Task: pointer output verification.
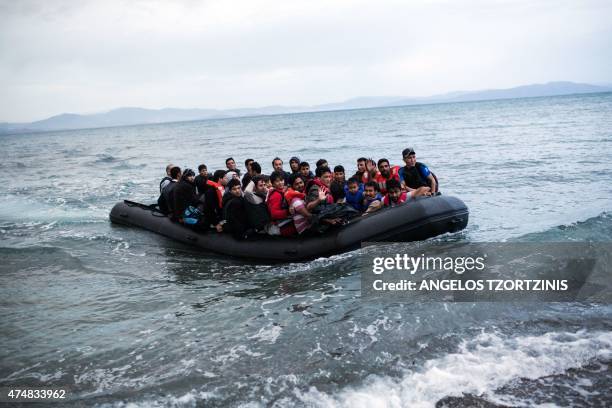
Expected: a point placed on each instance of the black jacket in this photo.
(200, 184)
(413, 177)
(235, 216)
(164, 202)
(183, 195)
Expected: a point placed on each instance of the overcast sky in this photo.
(91, 56)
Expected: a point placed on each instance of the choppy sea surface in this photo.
(124, 317)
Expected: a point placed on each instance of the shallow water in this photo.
(125, 316)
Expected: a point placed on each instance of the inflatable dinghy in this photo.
(416, 220)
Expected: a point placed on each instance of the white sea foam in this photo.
(371, 331)
(32, 209)
(479, 366)
(268, 334)
(188, 399)
(104, 379)
(234, 354)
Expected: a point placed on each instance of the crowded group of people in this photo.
(286, 203)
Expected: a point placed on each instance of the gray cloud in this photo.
(91, 56)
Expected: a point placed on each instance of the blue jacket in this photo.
(355, 200)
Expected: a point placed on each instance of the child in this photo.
(354, 194)
(372, 200)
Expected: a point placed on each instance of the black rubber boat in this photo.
(416, 220)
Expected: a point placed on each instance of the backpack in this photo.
(422, 181)
(419, 166)
(192, 215)
(162, 182)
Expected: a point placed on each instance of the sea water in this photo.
(125, 317)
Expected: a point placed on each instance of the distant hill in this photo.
(118, 117)
(138, 116)
(525, 91)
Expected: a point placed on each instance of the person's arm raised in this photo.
(371, 168)
(312, 204)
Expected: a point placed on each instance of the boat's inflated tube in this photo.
(416, 220)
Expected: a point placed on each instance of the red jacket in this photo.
(220, 190)
(277, 205)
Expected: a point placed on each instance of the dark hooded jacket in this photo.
(256, 208)
(183, 195)
(164, 202)
(235, 216)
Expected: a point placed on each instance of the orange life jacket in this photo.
(381, 181)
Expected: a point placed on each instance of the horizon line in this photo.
(306, 106)
(32, 131)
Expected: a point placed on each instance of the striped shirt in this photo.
(301, 223)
